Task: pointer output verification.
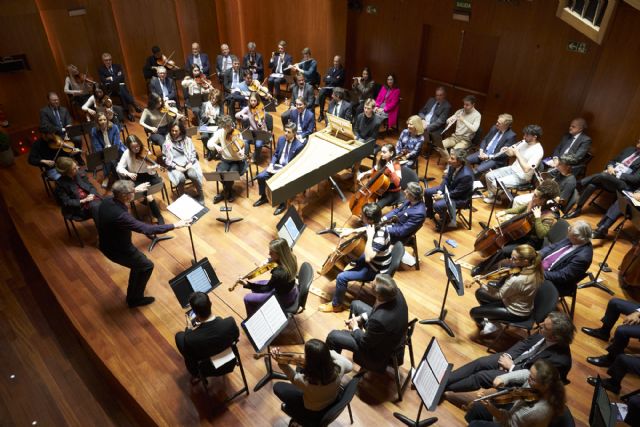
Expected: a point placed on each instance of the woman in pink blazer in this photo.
(388, 101)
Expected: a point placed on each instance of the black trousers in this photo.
(479, 416)
(623, 364)
(475, 375)
(623, 333)
(229, 166)
(141, 269)
(602, 180)
(291, 396)
(322, 96)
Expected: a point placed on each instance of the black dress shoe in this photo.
(320, 118)
(218, 198)
(574, 214)
(599, 234)
(596, 333)
(281, 207)
(142, 301)
(231, 197)
(261, 201)
(603, 361)
(606, 383)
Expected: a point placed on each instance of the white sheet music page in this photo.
(259, 329)
(185, 207)
(426, 384)
(273, 314)
(222, 358)
(437, 361)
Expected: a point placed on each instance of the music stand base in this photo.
(228, 221)
(440, 322)
(330, 230)
(413, 423)
(595, 282)
(155, 240)
(268, 377)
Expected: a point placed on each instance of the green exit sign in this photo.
(462, 10)
(580, 47)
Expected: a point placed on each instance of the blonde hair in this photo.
(286, 259)
(528, 253)
(416, 121)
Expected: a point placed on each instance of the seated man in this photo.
(56, 119)
(197, 58)
(236, 86)
(630, 328)
(374, 332)
(435, 112)
(576, 143)
(622, 173)
(459, 182)
(621, 366)
(612, 214)
(279, 65)
(112, 79)
(210, 336)
(367, 124)
(253, 62)
(75, 194)
(304, 119)
(375, 259)
(224, 61)
(563, 176)
(332, 80)
(527, 153)
(300, 89)
(286, 149)
(308, 67)
(164, 87)
(567, 261)
(44, 154)
(467, 121)
(551, 344)
(411, 215)
(338, 106)
(489, 155)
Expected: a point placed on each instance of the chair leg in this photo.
(573, 305)
(350, 414)
(298, 328)
(416, 254)
(396, 370)
(75, 231)
(67, 227)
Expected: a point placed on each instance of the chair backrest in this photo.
(558, 231)
(206, 368)
(305, 277)
(545, 301)
(268, 118)
(408, 175)
(564, 420)
(338, 406)
(396, 257)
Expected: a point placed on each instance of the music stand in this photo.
(261, 329)
(499, 187)
(270, 107)
(454, 277)
(450, 214)
(430, 380)
(291, 226)
(200, 277)
(185, 207)
(332, 225)
(222, 177)
(603, 412)
(153, 189)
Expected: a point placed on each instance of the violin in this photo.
(284, 358)
(261, 269)
(255, 86)
(57, 143)
(510, 395)
(143, 155)
(258, 115)
(165, 62)
(202, 81)
(495, 275)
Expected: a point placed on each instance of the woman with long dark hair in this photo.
(392, 169)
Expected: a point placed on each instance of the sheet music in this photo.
(208, 129)
(426, 383)
(437, 361)
(223, 358)
(258, 329)
(185, 207)
(199, 280)
(477, 185)
(273, 314)
(632, 199)
(291, 228)
(265, 322)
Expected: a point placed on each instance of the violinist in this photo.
(56, 119)
(544, 382)
(316, 387)
(106, 134)
(392, 170)
(255, 116)
(253, 62)
(197, 58)
(157, 118)
(210, 336)
(164, 86)
(282, 283)
(136, 165)
(112, 79)
(44, 153)
(99, 102)
(513, 299)
(279, 65)
(182, 160)
(196, 85)
(156, 60)
(228, 143)
(77, 85)
(75, 194)
(210, 113)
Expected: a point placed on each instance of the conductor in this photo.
(115, 225)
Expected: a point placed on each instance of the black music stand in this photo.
(499, 187)
(454, 277)
(450, 214)
(291, 226)
(185, 207)
(199, 277)
(222, 177)
(153, 189)
(332, 224)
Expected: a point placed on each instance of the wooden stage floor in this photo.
(136, 347)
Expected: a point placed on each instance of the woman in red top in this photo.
(392, 170)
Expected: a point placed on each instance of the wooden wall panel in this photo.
(197, 21)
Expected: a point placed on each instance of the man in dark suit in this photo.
(576, 143)
(622, 173)
(223, 61)
(435, 112)
(630, 328)
(112, 78)
(375, 332)
(459, 182)
(308, 67)
(489, 155)
(278, 65)
(236, 86)
(115, 225)
(411, 214)
(551, 344)
(210, 336)
(163, 86)
(253, 62)
(338, 106)
(332, 80)
(152, 62)
(286, 149)
(198, 58)
(55, 118)
(300, 89)
(566, 262)
(612, 214)
(304, 119)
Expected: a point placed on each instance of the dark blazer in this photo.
(154, 86)
(570, 268)
(633, 178)
(40, 151)
(307, 94)
(579, 149)
(308, 121)
(49, 121)
(508, 138)
(460, 186)
(345, 109)
(273, 62)
(410, 219)
(116, 73)
(227, 79)
(219, 60)
(440, 114)
(147, 70)
(559, 356)
(296, 147)
(258, 64)
(383, 332)
(204, 59)
(208, 339)
(67, 195)
(310, 72)
(97, 139)
(334, 77)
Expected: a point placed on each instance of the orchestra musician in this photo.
(99, 102)
(563, 175)
(223, 61)
(339, 106)
(106, 134)
(282, 283)
(303, 90)
(435, 112)
(304, 119)
(489, 156)
(255, 115)
(253, 62)
(228, 143)
(308, 67)
(392, 170)
(112, 79)
(210, 335)
(279, 65)
(367, 124)
(44, 153)
(512, 300)
(210, 113)
(136, 165)
(316, 387)
(467, 121)
(164, 86)
(411, 140)
(157, 118)
(197, 58)
(77, 85)
(334, 78)
(157, 59)
(411, 214)
(236, 85)
(56, 119)
(181, 160)
(375, 259)
(362, 90)
(388, 101)
(75, 194)
(194, 85)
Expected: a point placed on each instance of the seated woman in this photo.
(228, 143)
(74, 192)
(316, 387)
(157, 119)
(513, 300)
(411, 140)
(77, 86)
(282, 282)
(210, 113)
(196, 85)
(255, 116)
(544, 379)
(388, 102)
(362, 89)
(106, 134)
(135, 165)
(99, 102)
(392, 170)
(181, 160)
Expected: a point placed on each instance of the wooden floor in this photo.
(135, 350)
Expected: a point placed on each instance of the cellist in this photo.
(392, 170)
(228, 142)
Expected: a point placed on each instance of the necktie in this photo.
(284, 159)
(553, 257)
(164, 88)
(336, 109)
(632, 158)
(528, 355)
(55, 110)
(110, 70)
(573, 139)
(492, 145)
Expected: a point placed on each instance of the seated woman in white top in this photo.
(210, 113)
(99, 102)
(157, 118)
(316, 387)
(182, 160)
(77, 86)
(104, 135)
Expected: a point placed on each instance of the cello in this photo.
(375, 187)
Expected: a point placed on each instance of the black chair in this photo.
(47, 182)
(466, 221)
(397, 252)
(558, 231)
(570, 292)
(408, 175)
(544, 303)
(412, 242)
(69, 223)
(206, 369)
(248, 176)
(564, 420)
(305, 277)
(582, 168)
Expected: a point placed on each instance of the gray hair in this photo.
(121, 188)
(161, 70)
(251, 45)
(460, 154)
(562, 328)
(415, 190)
(385, 288)
(582, 230)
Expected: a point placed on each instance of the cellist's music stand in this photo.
(499, 187)
(222, 177)
(450, 214)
